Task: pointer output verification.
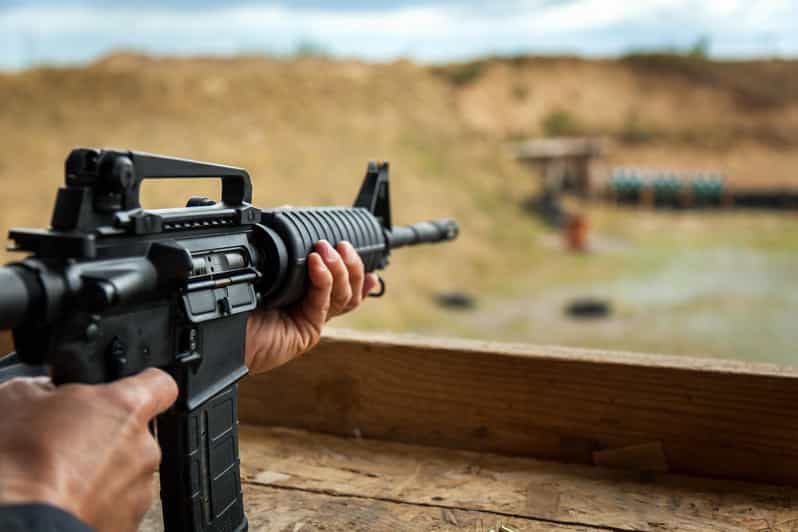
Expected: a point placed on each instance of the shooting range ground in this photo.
(679, 282)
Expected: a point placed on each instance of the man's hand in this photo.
(83, 448)
(337, 285)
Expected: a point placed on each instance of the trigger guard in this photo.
(382, 288)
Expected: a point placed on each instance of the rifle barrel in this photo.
(423, 232)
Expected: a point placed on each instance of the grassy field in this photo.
(716, 284)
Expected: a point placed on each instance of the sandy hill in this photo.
(305, 129)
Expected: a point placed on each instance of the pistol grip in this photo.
(200, 475)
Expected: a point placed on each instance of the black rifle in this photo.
(111, 289)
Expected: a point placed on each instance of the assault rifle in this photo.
(112, 288)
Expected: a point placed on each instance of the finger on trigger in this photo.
(356, 274)
(371, 282)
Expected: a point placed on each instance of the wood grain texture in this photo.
(279, 510)
(566, 494)
(710, 417)
(296, 480)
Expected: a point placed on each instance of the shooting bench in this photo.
(380, 432)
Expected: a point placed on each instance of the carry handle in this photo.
(236, 183)
(116, 176)
(200, 474)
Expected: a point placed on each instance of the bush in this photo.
(461, 74)
(754, 84)
(634, 132)
(307, 48)
(561, 123)
(700, 49)
(520, 92)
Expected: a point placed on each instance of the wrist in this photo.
(22, 488)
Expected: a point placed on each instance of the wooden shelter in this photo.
(390, 433)
(565, 163)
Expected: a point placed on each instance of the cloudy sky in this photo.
(69, 31)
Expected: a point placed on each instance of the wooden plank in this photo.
(295, 479)
(710, 417)
(299, 511)
(285, 510)
(565, 494)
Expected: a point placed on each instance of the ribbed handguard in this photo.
(301, 228)
(200, 479)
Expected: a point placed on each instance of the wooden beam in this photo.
(705, 417)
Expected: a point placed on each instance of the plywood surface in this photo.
(702, 417)
(297, 480)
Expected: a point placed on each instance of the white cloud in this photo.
(427, 32)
